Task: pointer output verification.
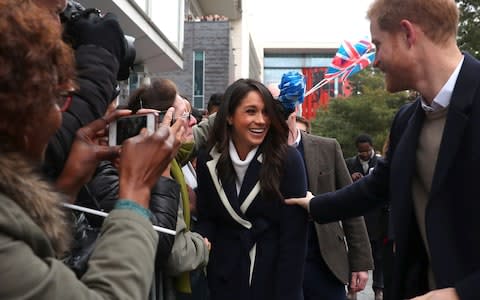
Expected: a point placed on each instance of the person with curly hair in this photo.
(36, 79)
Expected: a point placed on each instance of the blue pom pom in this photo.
(292, 90)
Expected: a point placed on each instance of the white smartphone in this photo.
(129, 126)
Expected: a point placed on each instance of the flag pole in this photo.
(317, 86)
(324, 81)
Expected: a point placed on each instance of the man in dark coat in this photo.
(366, 159)
(376, 220)
(338, 253)
(430, 173)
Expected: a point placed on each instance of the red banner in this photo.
(321, 97)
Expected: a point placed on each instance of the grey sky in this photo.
(308, 21)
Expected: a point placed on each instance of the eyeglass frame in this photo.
(64, 99)
(186, 115)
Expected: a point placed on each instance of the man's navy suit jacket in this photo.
(452, 219)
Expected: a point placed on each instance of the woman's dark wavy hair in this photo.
(36, 65)
(274, 146)
(159, 95)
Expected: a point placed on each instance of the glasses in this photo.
(186, 116)
(65, 99)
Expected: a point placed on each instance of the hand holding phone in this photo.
(160, 114)
(86, 152)
(129, 126)
(158, 148)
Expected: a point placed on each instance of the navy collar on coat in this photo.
(458, 116)
(237, 206)
(406, 151)
(457, 119)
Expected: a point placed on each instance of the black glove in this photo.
(91, 29)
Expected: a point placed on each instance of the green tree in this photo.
(469, 29)
(369, 110)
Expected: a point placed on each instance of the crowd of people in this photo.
(207, 18)
(251, 205)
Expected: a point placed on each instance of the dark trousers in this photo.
(388, 257)
(319, 283)
(377, 253)
(199, 286)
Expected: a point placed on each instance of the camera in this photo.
(129, 126)
(75, 11)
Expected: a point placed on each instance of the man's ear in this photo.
(409, 32)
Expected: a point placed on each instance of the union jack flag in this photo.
(360, 64)
(350, 59)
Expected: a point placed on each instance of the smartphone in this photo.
(129, 126)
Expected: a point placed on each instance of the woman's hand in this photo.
(358, 282)
(303, 202)
(207, 243)
(144, 157)
(169, 117)
(356, 176)
(88, 149)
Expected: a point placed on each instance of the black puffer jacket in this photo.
(102, 193)
(96, 78)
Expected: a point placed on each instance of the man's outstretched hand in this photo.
(303, 202)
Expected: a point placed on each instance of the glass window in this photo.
(142, 4)
(168, 16)
(198, 78)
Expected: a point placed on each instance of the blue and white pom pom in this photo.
(292, 90)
